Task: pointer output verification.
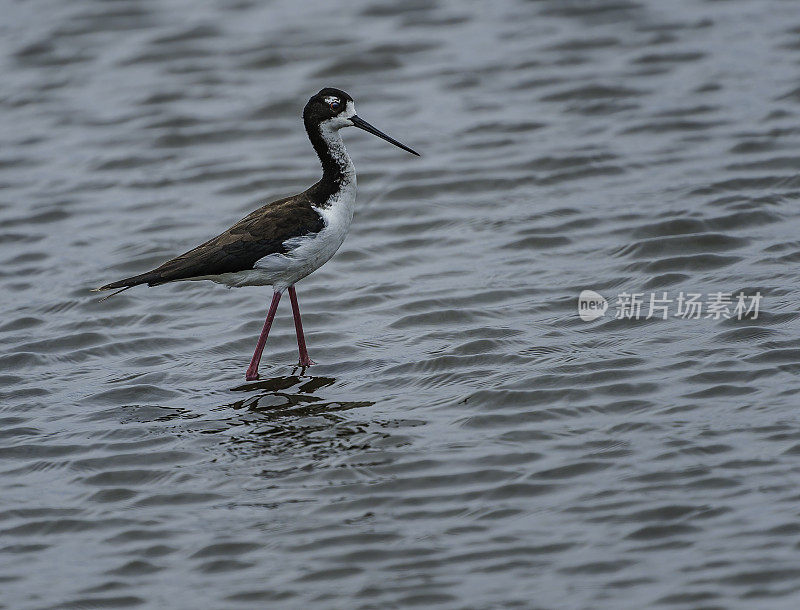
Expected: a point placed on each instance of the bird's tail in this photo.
(108, 296)
(123, 285)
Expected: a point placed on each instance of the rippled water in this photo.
(467, 441)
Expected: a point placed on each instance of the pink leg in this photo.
(298, 327)
(252, 370)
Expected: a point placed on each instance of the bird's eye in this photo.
(335, 106)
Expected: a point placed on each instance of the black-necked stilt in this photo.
(283, 241)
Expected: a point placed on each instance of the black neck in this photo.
(334, 166)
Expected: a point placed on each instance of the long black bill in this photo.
(362, 124)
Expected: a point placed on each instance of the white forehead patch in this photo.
(349, 110)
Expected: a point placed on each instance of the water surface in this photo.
(467, 441)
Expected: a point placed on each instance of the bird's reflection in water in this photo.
(291, 395)
(290, 411)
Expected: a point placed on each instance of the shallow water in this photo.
(467, 441)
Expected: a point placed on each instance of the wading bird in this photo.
(283, 241)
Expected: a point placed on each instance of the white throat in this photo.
(333, 140)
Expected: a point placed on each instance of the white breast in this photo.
(308, 253)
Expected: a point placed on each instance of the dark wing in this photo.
(257, 235)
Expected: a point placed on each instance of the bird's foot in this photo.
(251, 375)
(304, 362)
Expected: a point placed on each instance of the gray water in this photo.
(466, 440)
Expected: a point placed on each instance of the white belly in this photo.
(307, 253)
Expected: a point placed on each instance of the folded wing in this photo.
(259, 234)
